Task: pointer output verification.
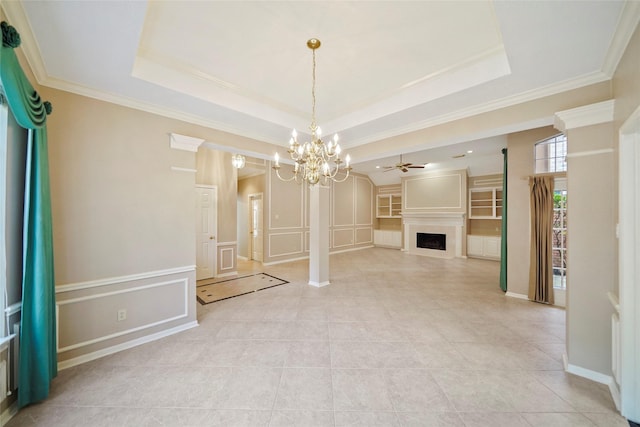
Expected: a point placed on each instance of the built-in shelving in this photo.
(485, 203)
(389, 206)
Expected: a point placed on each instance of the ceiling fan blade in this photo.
(404, 169)
(416, 166)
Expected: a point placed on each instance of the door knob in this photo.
(212, 237)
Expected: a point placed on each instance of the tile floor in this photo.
(395, 340)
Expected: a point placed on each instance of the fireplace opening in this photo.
(432, 241)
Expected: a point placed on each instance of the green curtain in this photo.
(38, 358)
(503, 239)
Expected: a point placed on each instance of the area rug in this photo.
(224, 289)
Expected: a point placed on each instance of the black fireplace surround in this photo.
(431, 241)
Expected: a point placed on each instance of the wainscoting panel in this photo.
(342, 238)
(286, 243)
(364, 235)
(95, 316)
(226, 257)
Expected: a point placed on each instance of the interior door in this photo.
(206, 231)
(256, 227)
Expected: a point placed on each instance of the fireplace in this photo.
(431, 241)
(433, 234)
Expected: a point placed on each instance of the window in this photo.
(13, 154)
(551, 154)
(559, 235)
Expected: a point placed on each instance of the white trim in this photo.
(515, 295)
(589, 374)
(300, 233)
(284, 261)
(222, 267)
(425, 177)
(184, 142)
(629, 18)
(600, 112)
(124, 346)
(13, 309)
(590, 153)
(530, 95)
(629, 272)
(233, 273)
(179, 169)
(350, 250)
(9, 413)
(319, 284)
(227, 243)
(184, 281)
(613, 299)
(4, 342)
(353, 237)
(70, 287)
(615, 394)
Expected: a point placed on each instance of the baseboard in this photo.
(615, 393)
(589, 374)
(594, 376)
(359, 248)
(232, 273)
(124, 346)
(514, 295)
(9, 413)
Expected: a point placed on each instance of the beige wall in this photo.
(520, 161)
(591, 254)
(286, 207)
(214, 168)
(441, 191)
(123, 225)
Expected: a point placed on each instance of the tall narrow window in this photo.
(559, 235)
(551, 154)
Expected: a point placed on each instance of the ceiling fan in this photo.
(403, 166)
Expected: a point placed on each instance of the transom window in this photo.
(551, 155)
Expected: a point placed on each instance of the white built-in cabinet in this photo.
(483, 246)
(387, 238)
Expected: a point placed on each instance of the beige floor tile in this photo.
(302, 418)
(396, 339)
(360, 390)
(366, 419)
(305, 389)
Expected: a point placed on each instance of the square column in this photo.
(319, 235)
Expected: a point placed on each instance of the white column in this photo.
(319, 236)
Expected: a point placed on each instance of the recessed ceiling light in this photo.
(469, 151)
(377, 167)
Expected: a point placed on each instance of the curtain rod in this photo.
(554, 174)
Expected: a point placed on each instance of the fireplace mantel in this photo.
(449, 223)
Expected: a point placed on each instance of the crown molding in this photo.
(509, 101)
(627, 24)
(17, 18)
(601, 112)
(185, 143)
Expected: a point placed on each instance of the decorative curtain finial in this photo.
(10, 37)
(48, 107)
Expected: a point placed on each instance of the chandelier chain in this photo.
(312, 159)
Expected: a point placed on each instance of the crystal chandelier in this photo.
(312, 159)
(238, 161)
